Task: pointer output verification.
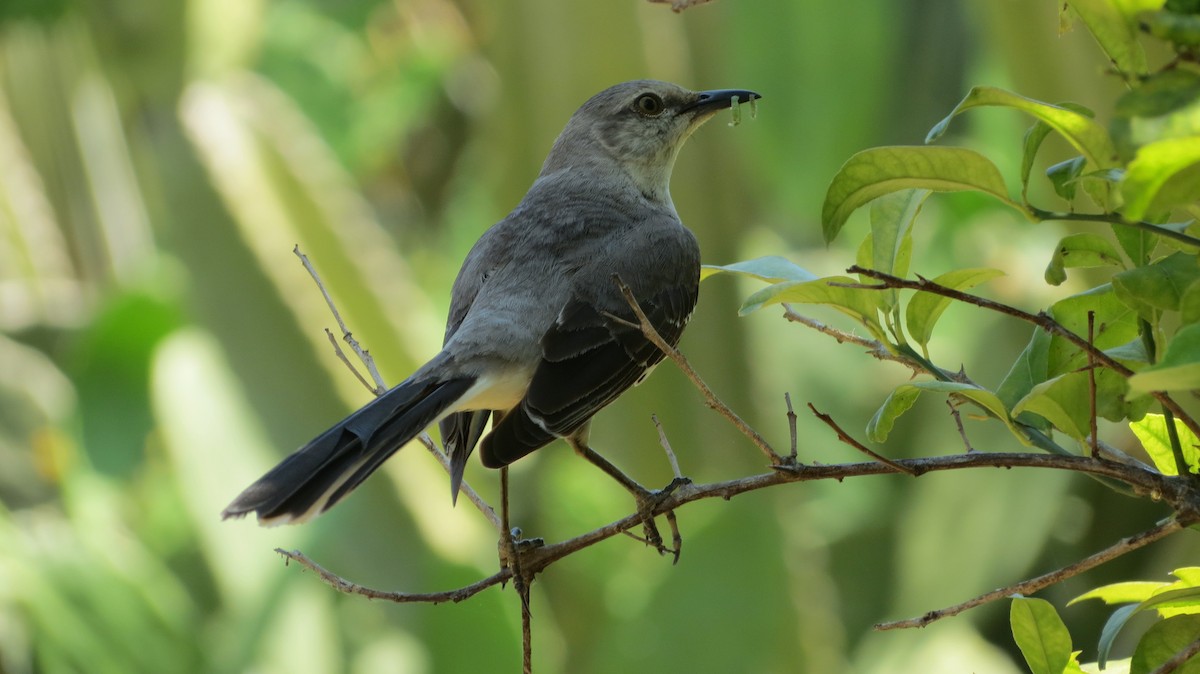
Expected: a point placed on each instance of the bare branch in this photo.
(962, 432)
(362, 354)
(1121, 547)
(791, 417)
(342, 585)
(666, 445)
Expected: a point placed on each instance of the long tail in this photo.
(319, 474)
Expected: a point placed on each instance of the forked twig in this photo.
(849, 440)
(342, 585)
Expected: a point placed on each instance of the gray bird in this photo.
(531, 339)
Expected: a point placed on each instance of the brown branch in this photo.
(1027, 587)
(849, 440)
(878, 350)
(342, 585)
(1091, 338)
(1042, 320)
(793, 451)
(1170, 489)
(1179, 659)
(962, 432)
(710, 398)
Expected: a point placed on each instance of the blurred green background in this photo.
(160, 346)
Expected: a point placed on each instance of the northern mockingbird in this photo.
(531, 339)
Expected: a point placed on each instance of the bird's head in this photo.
(637, 128)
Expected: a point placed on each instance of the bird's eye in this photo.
(649, 105)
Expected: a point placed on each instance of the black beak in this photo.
(718, 99)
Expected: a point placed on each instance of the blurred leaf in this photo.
(890, 241)
(1182, 30)
(904, 396)
(1115, 32)
(1179, 367)
(771, 268)
(1064, 176)
(1040, 634)
(1032, 142)
(1137, 243)
(1165, 106)
(1154, 166)
(1151, 431)
(1160, 285)
(1080, 250)
(859, 303)
(1162, 641)
(873, 173)
(1189, 303)
(924, 309)
(1080, 130)
(1133, 351)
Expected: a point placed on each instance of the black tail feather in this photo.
(322, 472)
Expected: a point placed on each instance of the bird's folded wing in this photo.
(589, 358)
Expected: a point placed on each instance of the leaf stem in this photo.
(1115, 219)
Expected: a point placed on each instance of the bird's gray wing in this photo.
(589, 357)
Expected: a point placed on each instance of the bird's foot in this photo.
(647, 503)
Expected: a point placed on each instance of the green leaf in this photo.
(1041, 635)
(1080, 250)
(1151, 431)
(1064, 176)
(1112, 627)
(1121, 593)
(1115, 324)
(1182, 30)
(924, 309)
(1165, 106)
(878, 171)
(1138, 244)
(1064, 401)
(1080, 130)
(1154, 165)
(1179, 369)
(1029, 369)
(1114, 31)
(1189, 304)
(904, 396)
(771, 268)
(859, 303)
(1033, 142)
(892, 217)
(1157, 286)
(1162, 641)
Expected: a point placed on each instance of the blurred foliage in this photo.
(160, 346)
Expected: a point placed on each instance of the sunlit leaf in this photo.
(1151, 431)
(873, 173)
(1032, 142)
(1080, 130)
(1114, 324)
(1080, 250)
(1121, 593)
(924, 309)
(1040, 634)
(771, 268)
(1164, 106)
(1179, 367)
(1114, 31)
(1154, 165)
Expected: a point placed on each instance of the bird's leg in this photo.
(646, 499)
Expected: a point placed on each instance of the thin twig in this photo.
(962, 432)
(849, 440)
(363, 354)
(337, 351)
(464, 489)
(342, 585)
(792, 435)
(666, 445)
(876, 349)
(1027, 587)
(1116, 219)
(1042, 319)
(1095, 436)
(710, 398)
(1179, 659)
